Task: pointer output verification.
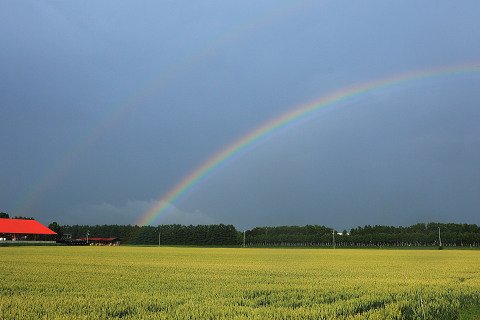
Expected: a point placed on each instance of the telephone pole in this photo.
(244, 238)
(159, 237)
(333, 235)
(439, 238)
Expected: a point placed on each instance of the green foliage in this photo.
(289, 234)
(23, 218)
(421, 234)
(54, 226)
(378, 236)
(7, 216)
(169, 234)
(309, 235)
(470, 312)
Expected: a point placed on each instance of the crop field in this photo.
(235, 283)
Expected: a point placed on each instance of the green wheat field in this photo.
(237, 283)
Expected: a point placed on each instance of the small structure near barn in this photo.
(23, 230)
(102, 241)
(113, 241)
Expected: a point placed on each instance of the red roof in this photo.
(21, 226)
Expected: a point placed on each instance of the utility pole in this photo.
(333, 234)
(88, 233)
(266, 235)
(439, 238)
(159, 237)
(244, 238)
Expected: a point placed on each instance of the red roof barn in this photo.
(15, 227)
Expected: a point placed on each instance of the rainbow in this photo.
(294, 115)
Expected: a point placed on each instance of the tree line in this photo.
(421, 234)
(5, 215)
(175, 234)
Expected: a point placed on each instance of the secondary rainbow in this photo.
(130, 103)
(295, 114)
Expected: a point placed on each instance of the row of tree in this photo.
(422, 234)
(5, 215)
(175, 234)
(425, 234)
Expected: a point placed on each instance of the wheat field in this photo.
(236, 283)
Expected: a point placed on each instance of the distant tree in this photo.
(175, 234)
(24, 218)
(54, 226)
(4, 215)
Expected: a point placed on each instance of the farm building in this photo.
(22, 229)
(102, 241)
(94, 241)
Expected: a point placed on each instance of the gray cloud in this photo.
(130, 213)
(107, 101)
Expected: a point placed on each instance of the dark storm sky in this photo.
(106, 105)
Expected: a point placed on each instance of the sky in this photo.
(105, 106)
